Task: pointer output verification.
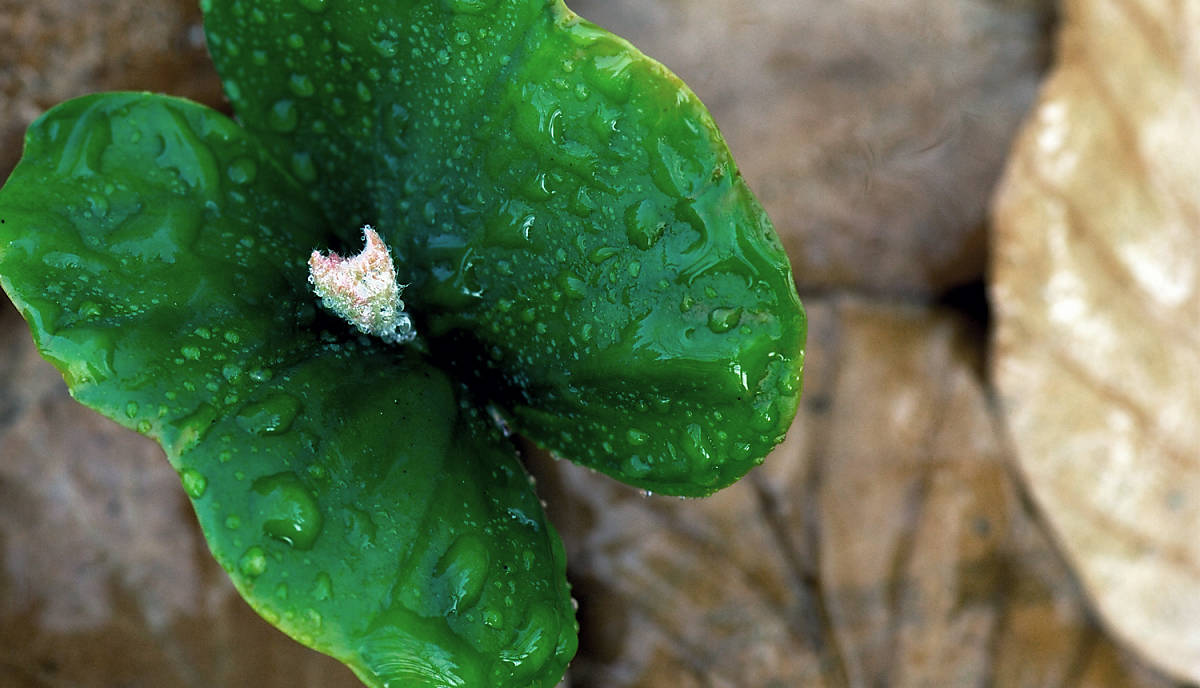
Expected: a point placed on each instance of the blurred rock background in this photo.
(921, 525)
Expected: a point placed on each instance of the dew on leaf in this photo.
(271, 416)
(644, 226)
(289, 509)
(283, 116)
(322, 587)
(301, 85)
(194, 483)
(303, 167)
(468, 6)
(721, 320)
(463, 569)
(253, 562)
(313, 618)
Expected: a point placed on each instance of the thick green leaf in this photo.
(578, 238)
(157, 252)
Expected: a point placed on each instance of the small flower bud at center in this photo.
(363, 290)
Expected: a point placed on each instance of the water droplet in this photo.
(281, 591)
(261, 374)
(467, 6)
(463, 570)
(644, 224)
(636, 437)
(765, 418)
(360, 528)
(323, 587)
(572, 285)
(131, 409)
(314, 6)
(283, 116)
(364, 93)
(536, 639)
(788, 385)
(253, 562)
(242, 171)
(271, 416)
(194, 483)
(233, 522)
(231, 371)
(537, 188)
(493, 618)
(602, 254)
(303, 167)
(673, 172)
(722, 320)
(295, 41)
(636, 466)
(610, 74)
(385, 45)
(290, 510)
(301, 85)
(313, 618)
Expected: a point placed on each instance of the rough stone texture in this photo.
(1095, 284)
(872, 130)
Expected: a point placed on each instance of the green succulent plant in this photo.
(580, 260)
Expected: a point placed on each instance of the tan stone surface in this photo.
(1095, 284)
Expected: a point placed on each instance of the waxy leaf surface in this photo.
(357, 503)
(580, 245)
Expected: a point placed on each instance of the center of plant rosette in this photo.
(590, 267)
(363, 290)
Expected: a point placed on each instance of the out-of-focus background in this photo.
(992, 209)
